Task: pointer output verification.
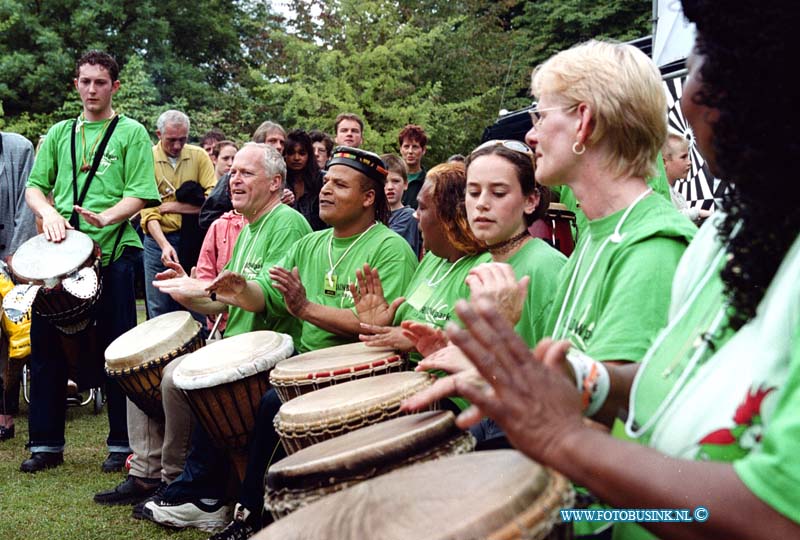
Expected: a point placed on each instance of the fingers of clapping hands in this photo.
(449, 359)
(489, 341)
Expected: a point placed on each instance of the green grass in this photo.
(57, 504)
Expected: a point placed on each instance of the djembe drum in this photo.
(333, 465)
(324, 367)
(61, 281)
(224, 382)
(336, 410)
(496, 495)
(136, 359)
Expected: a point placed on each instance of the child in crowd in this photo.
(402, 220)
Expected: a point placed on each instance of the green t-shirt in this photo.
(379, 247)
(566, 196)
(747, 384)
(259, 247)
(613, 296)
(126, 170)
(543, 264)
(434, 289)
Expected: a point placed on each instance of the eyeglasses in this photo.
(536, 117)
(511, 144)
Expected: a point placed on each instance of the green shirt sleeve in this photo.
(772, 473)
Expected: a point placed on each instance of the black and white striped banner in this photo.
(700, 188)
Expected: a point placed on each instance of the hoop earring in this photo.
(575, 148)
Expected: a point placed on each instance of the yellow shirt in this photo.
(192, 165)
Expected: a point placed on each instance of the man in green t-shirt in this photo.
(115, 180)
(258, 174)
(311, 283)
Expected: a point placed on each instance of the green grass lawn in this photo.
(57, 504)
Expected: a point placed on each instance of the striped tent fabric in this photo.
(700, 188)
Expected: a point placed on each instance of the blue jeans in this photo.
(115, 315)
(158, 302)
(207, 470)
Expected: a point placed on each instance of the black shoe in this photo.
(6, 433)
(236, 530)
(244, 525)
(131, 491)
(40, 461)
(138, 509)
(115, 462)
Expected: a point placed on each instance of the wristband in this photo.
(213, 296)
(591, 379)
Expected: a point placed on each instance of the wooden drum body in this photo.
(336, 410)
(499, 495)
(558, 228)
(136, 359)
(224, 382)
(325, 367)
(333, 465)
(62, 282)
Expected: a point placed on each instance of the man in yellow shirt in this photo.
(185, 176)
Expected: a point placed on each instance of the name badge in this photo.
(329, 284)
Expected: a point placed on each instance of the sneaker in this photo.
(209, 515)
(138, 509)
(115, 462)
(243, 526)
(40, 461)
(131, 491)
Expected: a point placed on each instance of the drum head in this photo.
(232, 359)
(151, 340)
(362, 451)
(360, 395)
(467, 496)
(327, 362)
(39, 260)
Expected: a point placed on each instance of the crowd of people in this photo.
(655, 366)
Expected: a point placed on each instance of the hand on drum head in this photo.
(524, 392)
(371, 305)
(498, 283)
(54, 226)
(289, 285)
(92, 218)
(427, 339)
(385, 336)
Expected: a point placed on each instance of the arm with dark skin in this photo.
(550, 429)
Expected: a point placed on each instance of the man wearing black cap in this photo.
(310, 283)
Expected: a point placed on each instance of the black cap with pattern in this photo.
(364, 162)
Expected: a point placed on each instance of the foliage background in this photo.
(231, 64)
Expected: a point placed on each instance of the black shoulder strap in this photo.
(98, 156)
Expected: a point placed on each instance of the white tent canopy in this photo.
(674, 35)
